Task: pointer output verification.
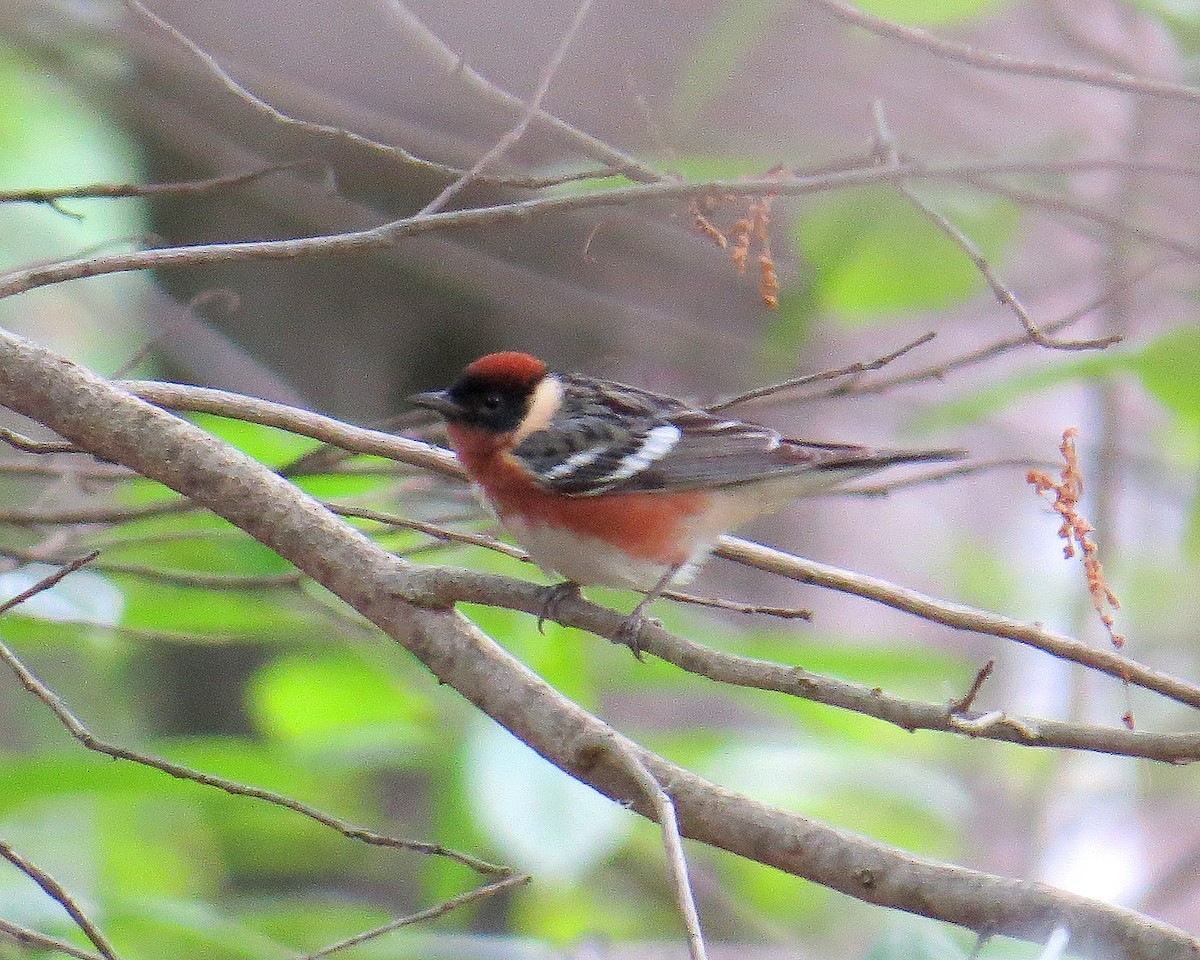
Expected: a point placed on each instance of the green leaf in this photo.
(265, 444)
(335, 699)
(977, 404)
(874, 254)
(1169, 369)
(707, 168)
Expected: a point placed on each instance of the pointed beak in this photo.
(439, 401)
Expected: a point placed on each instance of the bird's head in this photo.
(502, 393)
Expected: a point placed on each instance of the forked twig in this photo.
(677, 870)
(888, 153)
(505, 143)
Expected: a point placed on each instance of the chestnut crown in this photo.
(493, 393)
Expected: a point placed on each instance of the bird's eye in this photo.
(492, 401)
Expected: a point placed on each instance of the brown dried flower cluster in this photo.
(749, 231)
(1076, 530)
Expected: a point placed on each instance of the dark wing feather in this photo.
(658, 444)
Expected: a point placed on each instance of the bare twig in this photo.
(983, 354)
(83, 516)
(852, 370)
(754, 609)
(963, 704)
(29, 445)
(182, 397)
(267, 110)
(664, 813)
(58, 893)
(342, 244)
(49, 581)
(617, 161)
(989, 60)
(431, 913)
(959, 616)
(806, 571)
(939, 475)
(1062, 204)
(789, 680)
(532, 109)
(888, 153)
(94, 191)
(192, 579)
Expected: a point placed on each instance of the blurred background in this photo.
(280, 688)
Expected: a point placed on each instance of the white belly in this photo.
(592, 561)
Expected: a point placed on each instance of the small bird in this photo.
(608, 484)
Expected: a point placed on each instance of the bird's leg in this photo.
(555, 595)
(629, 633)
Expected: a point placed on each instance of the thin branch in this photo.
(183, 397)
(752, 609)
(532, 109)
(99, 191)
(615, 160)
(265, 109)
(191, 579)
(888, 153)
(677, 869)
(28, 445)
(91, 473)
(85, 516)
(983, 354)
(49, 581)
(796, 681)
(964, 703)
(939, 475)
(343, 244)
(431, 913)
(58, 893)
(955, 615)
(1004, 294)
(1004, 63)
(959, 616)
(430, 530)
(1060, 204)
(852, 370)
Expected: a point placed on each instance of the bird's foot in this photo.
(554, 597)
(629, 632)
